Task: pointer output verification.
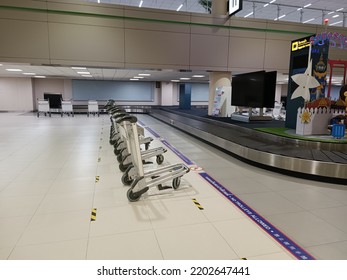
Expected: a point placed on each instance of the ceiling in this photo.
(279, 7)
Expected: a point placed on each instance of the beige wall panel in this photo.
(156, 48)
(159, 15)
(86, 43)
(248, 23)
(209, 26)
(277, 55)
(246, 53)
(209, 51)
(16, 94)
(235, 32)
(86, 20)
(23, 15)
(289, 31)
(160, 22)
(23, 39)
(37, 4)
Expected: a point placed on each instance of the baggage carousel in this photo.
(315, 160)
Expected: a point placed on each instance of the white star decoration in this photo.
(305, 82)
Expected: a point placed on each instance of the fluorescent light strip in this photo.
(335, 16)
(141, 2)
(309, 20)
(88, 76)
(143, 74)
(40, 77)
(338, 22)
(32, 74)
(248, 15)
(179, 8)
(272, 1)
(83, 73)
(132, 79)
(175, 81)
(339, 9)
(299, 9)
(14, 70)
(331, 13)
(282, 16)
(139, 77)
(308, 5)
(267, 4)
(78, 68)
(185, 79)
(198, 76)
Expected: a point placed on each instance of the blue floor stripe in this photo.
(280, 237)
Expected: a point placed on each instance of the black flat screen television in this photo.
(255, 89)
(54, 100)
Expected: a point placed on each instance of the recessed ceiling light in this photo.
(40, 77)
(84, 73)
(14, 70)
(32, 74)
(132, 79)
(175, 81)
(144, 74)
(185, 79)
(78, 68)
(198, 76)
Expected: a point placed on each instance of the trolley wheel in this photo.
(38, 114)
(50, 114)
(160, 159)
(61, 114)
(146, 146)
(123, 167)
(116, 151)
(126, 180)
(176, 182)
(119, 157)
(132, 197)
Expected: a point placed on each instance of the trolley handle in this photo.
(128, 118)
(119, 115)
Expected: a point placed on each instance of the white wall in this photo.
(16, 94)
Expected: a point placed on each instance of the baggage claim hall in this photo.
(157, 133)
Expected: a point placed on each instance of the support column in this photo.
(185, 96)
(219, 80)
(219, 7)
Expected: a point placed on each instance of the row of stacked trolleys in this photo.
(133, 151)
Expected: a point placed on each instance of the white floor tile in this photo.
(66, 250)
(5, 253)
(11, 230)
(56, 227)
(140, 245)
(246, 239)
(194, 242)
(15, 206)
(120, 219)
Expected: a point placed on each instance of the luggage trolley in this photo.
(66, 108)
(152, 178)
(93, 108)
(124, 157)
(116, 139)
(43, 107)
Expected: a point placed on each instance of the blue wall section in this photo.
(119, 91)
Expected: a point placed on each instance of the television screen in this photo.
(255, 89)
(54, 100)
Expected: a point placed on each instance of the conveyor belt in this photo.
(318, 159)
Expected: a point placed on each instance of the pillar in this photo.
(219, 7)
(185, 96)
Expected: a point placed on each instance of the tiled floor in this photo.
(48, 187)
